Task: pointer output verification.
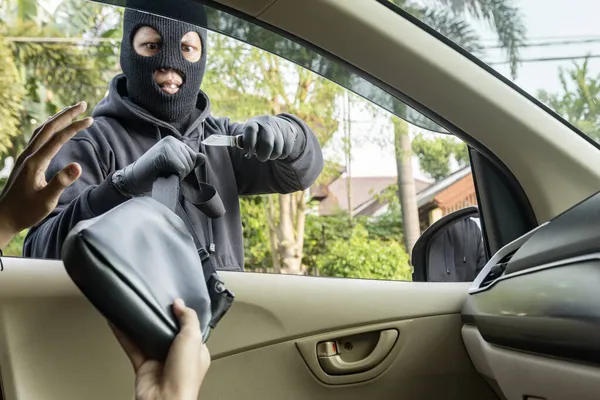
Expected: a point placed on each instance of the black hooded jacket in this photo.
(122, 132)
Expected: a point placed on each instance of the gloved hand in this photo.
(269, 138)
(167, 157)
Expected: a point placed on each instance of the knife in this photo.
(224, 140)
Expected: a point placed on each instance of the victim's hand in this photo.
(182, 373)
(27, 198)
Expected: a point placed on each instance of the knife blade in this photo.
(224, 140)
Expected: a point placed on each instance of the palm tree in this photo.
(502, 16)
(446, 16)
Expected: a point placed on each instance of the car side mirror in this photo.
(451, 249)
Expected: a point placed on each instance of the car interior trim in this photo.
(550, 310)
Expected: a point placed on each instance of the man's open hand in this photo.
(27, 198)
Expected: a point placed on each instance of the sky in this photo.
(546, 21)
(556, 19)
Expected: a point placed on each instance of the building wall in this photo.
(457, 196)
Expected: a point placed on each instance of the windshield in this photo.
(549, 50)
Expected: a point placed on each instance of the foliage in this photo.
(11, 98)
(436, 154)
(255, 230)
(322, 232)
(20, 10)
(44, 67)
(387, 227)
(578, 102)
(15, 247)
(361, 256)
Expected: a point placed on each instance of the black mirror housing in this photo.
(420, 252)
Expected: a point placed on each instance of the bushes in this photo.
(369, 248)
(362, 256)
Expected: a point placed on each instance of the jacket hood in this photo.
(116, 105)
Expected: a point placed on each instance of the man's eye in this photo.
(152, 46)
(187, 49)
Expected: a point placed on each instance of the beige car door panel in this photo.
(54, 345)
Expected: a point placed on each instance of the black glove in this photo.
(167, 157)
(269, 138)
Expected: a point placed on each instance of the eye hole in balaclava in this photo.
(154, 48)
(147, 42)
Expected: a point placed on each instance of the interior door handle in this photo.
(333, 364)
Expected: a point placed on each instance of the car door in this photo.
(311, 337)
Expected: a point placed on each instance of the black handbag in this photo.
(134, 260)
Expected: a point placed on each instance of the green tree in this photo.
(578, 101)
(436, 154)
(11, 98)
(44, 65)
(243, 81)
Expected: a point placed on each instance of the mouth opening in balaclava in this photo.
(139, 70)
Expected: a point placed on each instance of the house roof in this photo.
(429, 194)
(365, 191)
(320, 190)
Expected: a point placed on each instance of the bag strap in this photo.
(166, 191)
(204, 197)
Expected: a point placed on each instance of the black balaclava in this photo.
(139, 70)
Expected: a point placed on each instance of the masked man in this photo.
(152, 123)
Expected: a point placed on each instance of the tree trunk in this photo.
(276, 265)
(286, 233)
(288, 237)
(300, 224)
(348, 154)
(406, 184)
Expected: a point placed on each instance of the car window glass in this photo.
(349, 223)
(549, 50)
